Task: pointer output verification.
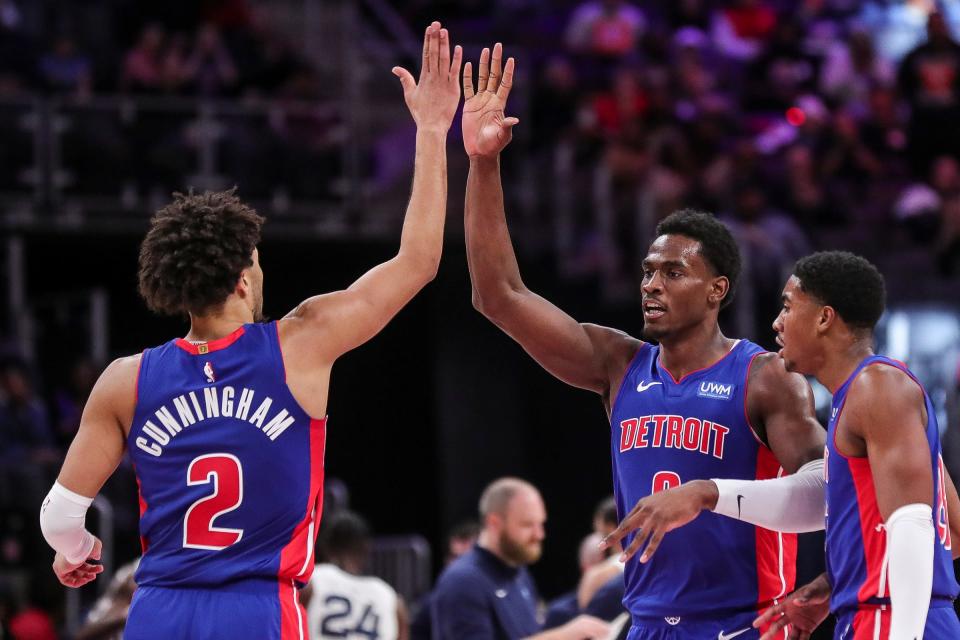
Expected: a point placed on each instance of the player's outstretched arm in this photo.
(332, 324)
(886, 409)
(579, 354)
(93, 455)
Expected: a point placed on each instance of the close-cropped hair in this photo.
(847, 282)
(195, 250)
(717, 245)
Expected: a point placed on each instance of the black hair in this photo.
(847, 282)
(717, 245)
(194, 252)
(344, 533)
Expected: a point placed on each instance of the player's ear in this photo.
(719, 289)
(826, 318)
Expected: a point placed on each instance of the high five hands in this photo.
(434, 98)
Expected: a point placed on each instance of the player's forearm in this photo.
(910, 549)
(494, 272)
(791, 504)
(421, 241)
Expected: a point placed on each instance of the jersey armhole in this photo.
(626, 373)
(283, 366)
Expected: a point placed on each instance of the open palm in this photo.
(486, 130)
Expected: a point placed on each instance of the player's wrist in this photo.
(483, 160)
(708, 493)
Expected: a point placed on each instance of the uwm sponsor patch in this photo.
(715, 390)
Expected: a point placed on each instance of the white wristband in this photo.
(63, 518)
(791, 504)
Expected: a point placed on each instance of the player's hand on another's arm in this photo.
(77, 575)
(486, 129)
(433, 99)
(803, 610)
(657, 514)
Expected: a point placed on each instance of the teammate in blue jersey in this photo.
(698, 405)
(226, 427)
(889, 500)
(888, 496)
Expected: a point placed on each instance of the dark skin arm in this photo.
(883, 419)
(587, 356)
(781, 409)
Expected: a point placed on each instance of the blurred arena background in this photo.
(805, 124)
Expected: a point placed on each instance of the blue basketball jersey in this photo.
(666, 432)
(856, 538)
(229, 466)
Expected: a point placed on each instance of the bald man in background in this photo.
(487, 594)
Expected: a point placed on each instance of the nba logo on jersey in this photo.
(208, 371)
(715, 390)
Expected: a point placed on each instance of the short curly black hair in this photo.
(194, 252)
(847, 282)
(717, 245)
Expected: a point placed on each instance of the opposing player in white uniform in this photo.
(343, 603)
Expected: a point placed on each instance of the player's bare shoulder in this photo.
(116, 389)
(881, 390)
(769, 379)
(617, 348)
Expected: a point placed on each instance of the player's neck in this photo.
(696, 349)
(839, 363)
(218, 325)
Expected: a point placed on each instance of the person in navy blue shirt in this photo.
(488, 594)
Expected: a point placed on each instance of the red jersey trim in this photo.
(776, 554)
(202, 348)
(296, 558)
(872, 532)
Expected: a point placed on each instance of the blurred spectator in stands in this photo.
(555, 103)
(688, 13)
(461, 539)
(929, 80)
(620, 107)
(27, 446)
(742, 29)
(928, 209)
(65, 70)
(851, 69)
(605, 28)
(108, 617)
(603, 34)
(770, 242)
(564, 608)
(70, 398)
(883, 129)
(846, 157)
(802, 193)
(143, 66)
(605, 519)
(209, 70)
(948, 242)
(782, 72)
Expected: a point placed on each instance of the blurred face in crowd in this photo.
(677, 287)
(799, 327)
(520, 527)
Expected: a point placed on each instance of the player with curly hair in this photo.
(226, 426)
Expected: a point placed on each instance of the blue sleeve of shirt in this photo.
(459, 609)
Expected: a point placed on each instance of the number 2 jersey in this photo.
(229, 466)
(665, 432)
(856, 538)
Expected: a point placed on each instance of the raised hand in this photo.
(77, 575)
(433, 100)
(486, 130)
(803, 611)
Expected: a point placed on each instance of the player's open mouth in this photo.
(652, 310)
